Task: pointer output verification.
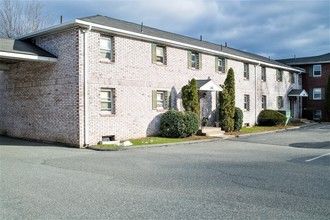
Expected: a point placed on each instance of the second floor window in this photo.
(220, 64)
(263, 73)
(106, 48)
(279, 75)
(246, 71)
(194, 60)
(318, 93)
(317, 70)
(292, 77)
(159, 54)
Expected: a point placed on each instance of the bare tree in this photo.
(21, 17)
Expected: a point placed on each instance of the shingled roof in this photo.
(324, 58)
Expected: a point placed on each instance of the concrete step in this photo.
(212, 131)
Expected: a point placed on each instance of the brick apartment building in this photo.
(98, 77)
(315, 81)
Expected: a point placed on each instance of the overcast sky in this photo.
(275, 28)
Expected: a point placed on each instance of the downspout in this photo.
(86, 61)
(255, 93)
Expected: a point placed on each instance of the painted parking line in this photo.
(315, 158)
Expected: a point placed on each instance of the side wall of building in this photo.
(39, 100)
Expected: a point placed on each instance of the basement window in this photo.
(108, 138)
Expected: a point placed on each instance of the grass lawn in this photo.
(257, 129)
(153, 140)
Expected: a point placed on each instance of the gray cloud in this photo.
(275, 28)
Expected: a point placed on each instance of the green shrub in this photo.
(238, 117)
(271, 118)
(176, 124)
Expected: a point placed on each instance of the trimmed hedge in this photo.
(238, 117)
(271, 118)
(176, 124)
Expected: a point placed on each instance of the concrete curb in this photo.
(198, 141)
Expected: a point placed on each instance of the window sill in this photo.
(107, 61)
(107, 114)
(160, 64)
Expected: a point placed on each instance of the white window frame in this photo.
(220, 64)
(317, 115)
(246, 71)
(315, 71)
(292, 77)
(317, 94)
(160, 54)
(161, 102)
(107, 98)
(106, 48)
(279, 75)
(263, 74)
(246, 102)
(194, 61)
(264, 102)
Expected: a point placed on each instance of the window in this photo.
(317, 70)
(106, 48)
(220, 64)
(160, 100)
(194, 60)
(317, 115)
(107, 100)
(158, 54)
(317, 93)
(279, 75)
(292, 77)
(247, 102)
(263, 102)
(280, 102)
(246, 71)
(263, 73)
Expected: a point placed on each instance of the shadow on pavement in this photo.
(324, 145)
(8, 141)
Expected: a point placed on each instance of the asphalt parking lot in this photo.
(283, 175)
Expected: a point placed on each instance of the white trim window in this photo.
(246, 71)
(107, 100)
(106, 48)
(247, 102)
(317, 71)
(159, 54)
(279, 75)
(194, 60)
(263, 73)
(160, 100)
(292, 78)
(220, 64)
(280, 102)
(264, 102)
(317, 93)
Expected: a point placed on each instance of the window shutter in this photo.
(310, 95)
(189, 59)
(199, 61)
(153, 53)
(216, 64)
(154, 99)
(165, 56)
(167, 100)
(310, 73)
(322, 94)
(226, 66)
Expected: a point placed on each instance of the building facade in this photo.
(106, 79)
(315, 82)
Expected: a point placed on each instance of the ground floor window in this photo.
(263, 102)
(317, 115)
(247, 102)
(160, 99)
(107, 100)
(280, 102)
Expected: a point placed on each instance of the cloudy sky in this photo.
(275, 28)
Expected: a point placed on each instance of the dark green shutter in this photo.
(167, 100)
(216, 64)
(310, 72)
(153, 53)
(154, 99)
(310, 94)
(322, 93)
(189, 59)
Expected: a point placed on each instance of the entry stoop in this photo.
(213, 131)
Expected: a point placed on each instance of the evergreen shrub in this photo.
(271, 118)
(238, 117)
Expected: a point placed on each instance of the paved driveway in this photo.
(255, 177)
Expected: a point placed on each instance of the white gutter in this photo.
(175, 43)
(26, 57)
(86, 61)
